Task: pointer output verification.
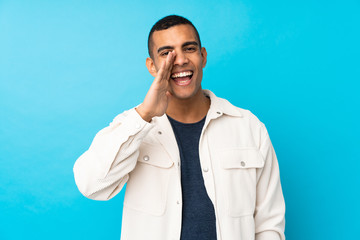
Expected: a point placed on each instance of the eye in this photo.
(190, 49)
(164, 53)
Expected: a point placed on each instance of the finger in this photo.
(166, 66)
(160, 73)
(169, 65)
(168, 93)
(171, 59)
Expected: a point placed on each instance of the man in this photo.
(196, 167)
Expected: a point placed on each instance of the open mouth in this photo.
(182, 78)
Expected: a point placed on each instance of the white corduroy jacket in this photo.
(240, 171)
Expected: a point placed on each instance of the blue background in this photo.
(67, 68)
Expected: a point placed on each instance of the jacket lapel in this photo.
(165, 134)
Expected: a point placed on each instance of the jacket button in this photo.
(177, 202)
(242, 163)
(146, 158)
(205, 169)
(159, 132)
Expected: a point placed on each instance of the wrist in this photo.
(143, 113)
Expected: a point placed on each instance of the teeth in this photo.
(181, 74)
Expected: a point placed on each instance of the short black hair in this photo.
(168, 22)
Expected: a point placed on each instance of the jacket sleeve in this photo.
(270, 204)
(102, 171)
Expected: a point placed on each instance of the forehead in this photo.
(174, 36)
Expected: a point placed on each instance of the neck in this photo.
(189, 110)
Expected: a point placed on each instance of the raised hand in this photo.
(157, 98)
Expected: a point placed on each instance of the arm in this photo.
(102, 171)
(270, 204)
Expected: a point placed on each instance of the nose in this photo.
(180, 58)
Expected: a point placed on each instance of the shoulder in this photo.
(227, 108)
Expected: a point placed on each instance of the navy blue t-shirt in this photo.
(198, 215)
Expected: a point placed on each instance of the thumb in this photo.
(168, 95)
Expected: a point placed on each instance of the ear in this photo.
(151, 66)
(204, 56)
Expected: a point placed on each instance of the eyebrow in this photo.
(184, 45)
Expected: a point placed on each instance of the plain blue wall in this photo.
(68, 67)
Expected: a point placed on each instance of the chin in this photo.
(184, 94)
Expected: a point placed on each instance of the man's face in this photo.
(187, 71)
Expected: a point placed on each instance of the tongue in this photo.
(182, 78)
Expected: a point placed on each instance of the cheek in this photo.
(200, 69)
(200, 63)
(157, 63)
(157, 66)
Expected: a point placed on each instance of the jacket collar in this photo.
(220, 106)
(164, 132)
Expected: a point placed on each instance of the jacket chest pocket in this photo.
(147, 187)
(239, 168)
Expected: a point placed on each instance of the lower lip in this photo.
(183, 82)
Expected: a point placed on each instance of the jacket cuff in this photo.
(134, 122)
(132, 125)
